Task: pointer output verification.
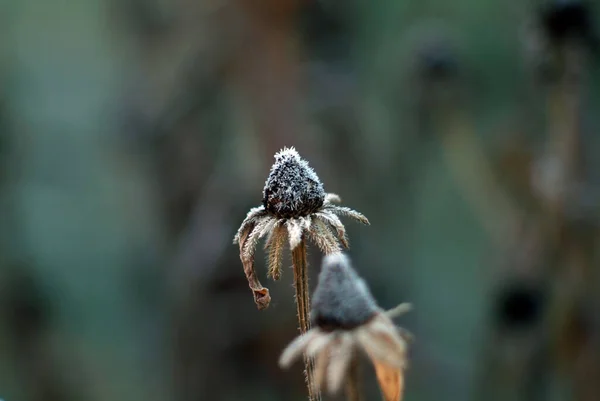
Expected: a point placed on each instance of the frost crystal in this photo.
(292, 188)
(342, 299)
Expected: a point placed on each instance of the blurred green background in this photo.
(136, 134)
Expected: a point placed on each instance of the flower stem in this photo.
(353, 384)
(302, 308)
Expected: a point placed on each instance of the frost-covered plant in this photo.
(294, 208)
(347, 320)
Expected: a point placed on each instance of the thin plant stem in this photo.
(302, 308)
(353, 382)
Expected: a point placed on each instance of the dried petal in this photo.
(336, 223)
(297, 347)
(294, 232)
(322, 236)
(275, 245)
(318, 344)
(341, 356)
(346, 211)
(321, 364)
(391, 381)
(398, 310)
(249, 242)
(382, 342)
(253, 215)
(262, 298)
(406, 335)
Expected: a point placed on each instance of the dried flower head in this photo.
(295, 206)
(347, 320)
(292, 188)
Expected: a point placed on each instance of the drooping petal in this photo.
(321, 365)
(271, 236)
(346, 211)
(382, 324)
(294, 228)
(254, 214)
(275, 245)
(322, 236)
(261, 228)
(260, 293)
(297, 347)
(387, 332)
(341, 355)
(318, 344)
(336, 223)
(391, 381)
(399, 311)
(382, 342)
(406, 335)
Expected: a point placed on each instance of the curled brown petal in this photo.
(262, 298)
(391, 381)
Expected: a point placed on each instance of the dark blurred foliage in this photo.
(136, 134)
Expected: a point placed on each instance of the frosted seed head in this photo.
(292, 188)
(342, 299)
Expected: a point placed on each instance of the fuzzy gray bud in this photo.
(342, 299)
(292, 188)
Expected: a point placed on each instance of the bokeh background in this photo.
(136, 134)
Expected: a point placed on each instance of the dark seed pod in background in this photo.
(342, 299)
(25, 307)
(436, 66)
(564, 20)
(326, 29)
(437, 61)
(520, 305)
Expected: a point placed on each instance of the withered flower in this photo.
(295, 206)
(347, 320)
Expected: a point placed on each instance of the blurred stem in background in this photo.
(80, 223)
(502, 371)
(565, 193)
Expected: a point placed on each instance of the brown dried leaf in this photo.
(391, 381)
